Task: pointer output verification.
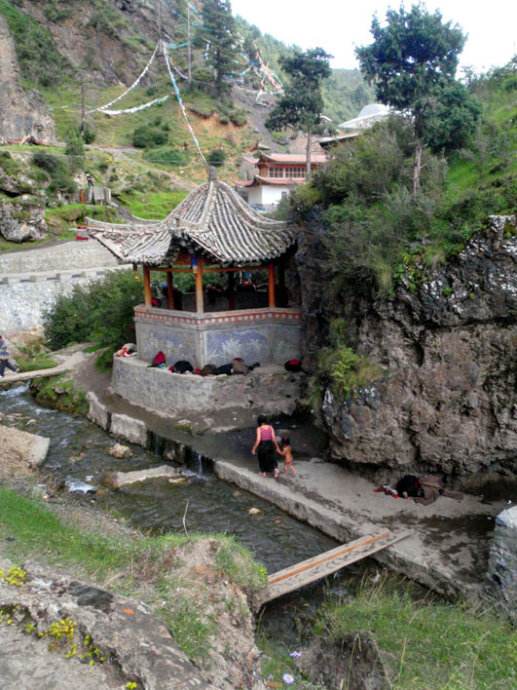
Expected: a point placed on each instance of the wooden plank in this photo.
(318, 567)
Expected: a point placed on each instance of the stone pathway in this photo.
(447, 549)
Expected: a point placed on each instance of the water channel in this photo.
(79, 451)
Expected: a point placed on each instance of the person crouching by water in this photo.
(265, 447)
(287, 453)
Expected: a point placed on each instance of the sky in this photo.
(339, 26)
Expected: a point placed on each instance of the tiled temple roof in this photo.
(213, 220)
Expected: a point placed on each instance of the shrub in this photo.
(88, 133)
(54, 12)
(60, 176)
(167, 156)
(101, 312)
(8, 164)
(147, 136)
(217, 157)
(74, 148)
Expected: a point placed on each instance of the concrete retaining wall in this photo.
(271, 390)
(25, 297)
(58, 257)
(502, 569)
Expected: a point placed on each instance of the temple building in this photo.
(277, 174)
(231, 264)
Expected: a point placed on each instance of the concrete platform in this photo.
(446, 551)
(449, 544)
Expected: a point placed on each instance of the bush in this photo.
(167, 156)
(101, 312)
(148, 136)
(217, 157)
(74, 149)
(88, 133)
(59, 171)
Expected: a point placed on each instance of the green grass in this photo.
(152, 205)
(38, 532)
(60, 219)
(144, 566)
(429, 645)
(39, 361)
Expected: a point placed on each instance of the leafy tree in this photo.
(219, 35)
(302, 103)
(412, 62)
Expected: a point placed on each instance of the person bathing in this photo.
(265, 447)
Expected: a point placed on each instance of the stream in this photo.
(79, 451)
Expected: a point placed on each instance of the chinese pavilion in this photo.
(212, 231)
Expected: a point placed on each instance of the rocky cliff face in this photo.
(448, 398)
(23, 116)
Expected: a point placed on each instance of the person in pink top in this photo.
(266, 447)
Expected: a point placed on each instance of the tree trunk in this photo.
(417, 167)
(308, 165)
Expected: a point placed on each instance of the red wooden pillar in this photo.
(170, 290)
(271, 285)
(147, 286)
(200, 307)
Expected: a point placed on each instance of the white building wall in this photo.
(267, 195)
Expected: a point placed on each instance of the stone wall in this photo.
(265, 336)
(58, 257)
(269, 389)
(502, 569)
(32, 280)
(24, 298)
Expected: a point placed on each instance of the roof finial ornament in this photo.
(212, 173)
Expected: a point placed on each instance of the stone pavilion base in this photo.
(266, 390)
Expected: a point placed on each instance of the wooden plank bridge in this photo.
(296, 576)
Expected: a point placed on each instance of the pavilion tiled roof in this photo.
(213, 220)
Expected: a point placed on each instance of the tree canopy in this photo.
(412, 63)
(219, 36)
(302, 103)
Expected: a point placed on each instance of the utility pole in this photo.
(189, 48)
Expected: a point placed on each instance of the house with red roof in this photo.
(276, 175)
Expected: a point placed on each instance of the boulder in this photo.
(120, 452)
(21, 223)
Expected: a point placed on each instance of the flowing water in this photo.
(79, 453)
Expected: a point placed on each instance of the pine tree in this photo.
(219, 35)
(302, 103)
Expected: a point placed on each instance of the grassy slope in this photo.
(429, 645)
(28, 529)
(494, 164)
